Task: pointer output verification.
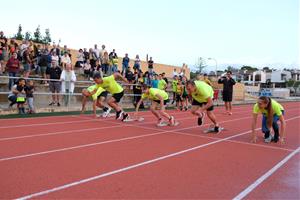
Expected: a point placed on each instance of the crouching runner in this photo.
(98, 96)
(202, 95)
(158, 98)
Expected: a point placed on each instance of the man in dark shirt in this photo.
(150, 66)
(55, 86)
(228, 83)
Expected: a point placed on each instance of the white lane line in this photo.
(80, 130)
(269, 173)
(133, 166)
(147, 113)
(58, 133)
(99, 143)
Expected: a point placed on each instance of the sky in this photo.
(234, 32)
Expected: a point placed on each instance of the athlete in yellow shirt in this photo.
(115, 89)
(272, 112)
(98, 99)
(159, 99)
(202, 94)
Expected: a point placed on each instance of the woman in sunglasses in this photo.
(272, 112)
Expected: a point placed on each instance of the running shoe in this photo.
(106, 113)
(268, 139)
(119, 115)
(172, 121)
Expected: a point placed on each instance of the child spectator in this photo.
(154, 82)
(29, 89)
(19, 90)
(87, 69)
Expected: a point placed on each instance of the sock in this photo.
(105, 109)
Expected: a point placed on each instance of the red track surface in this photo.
(80, 157)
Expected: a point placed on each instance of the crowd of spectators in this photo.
(54, 64)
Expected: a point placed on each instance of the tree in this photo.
(19, 35)
(37, 37)
(200, 65)
(47, 38)
(293, 84)
(249, 68)
(28, 36)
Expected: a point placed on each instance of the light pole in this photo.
(216, 65)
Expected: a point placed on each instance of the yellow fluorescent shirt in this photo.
(110, 84)
(203, 92)
(98, 92)
(153, 92)
(162, 84)
(277, 108)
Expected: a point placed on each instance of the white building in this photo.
(280, 76)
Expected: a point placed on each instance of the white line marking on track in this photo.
(99, 143)
(269, 173)
(62, 187)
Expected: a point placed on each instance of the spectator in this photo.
(137, 64)
(162, 85)
(80, 59)
(86, 55)
(175, 73)
(43, 64)
(65, 60)
(228, 84)
(92, 58)
(137, 88)
(103, 50)
(105, 64)
(13, 67)
(54, 57)
(54, 85)
(2, 37)
(174, 88)
(129, 75)
(55, 49)
(65, 50)
(125, 63)
(20, 95)
(68, 79)
(96, 52)
(165, 78)
(12, 96)
(206, 79)
(87, 69)
(154, 82)
(150, 66)
(114, 61)
(26, 63)
(29, 89)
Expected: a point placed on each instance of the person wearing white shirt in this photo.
(54, 57)
(175, 73)
(65, 60)
(68, 79)
(96, 51)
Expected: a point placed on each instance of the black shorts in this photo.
(179, 98)
(103, 94)
(196, 103)
(118, 96)
(227, 96)
(165, 101)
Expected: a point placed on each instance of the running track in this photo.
(81, 157)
